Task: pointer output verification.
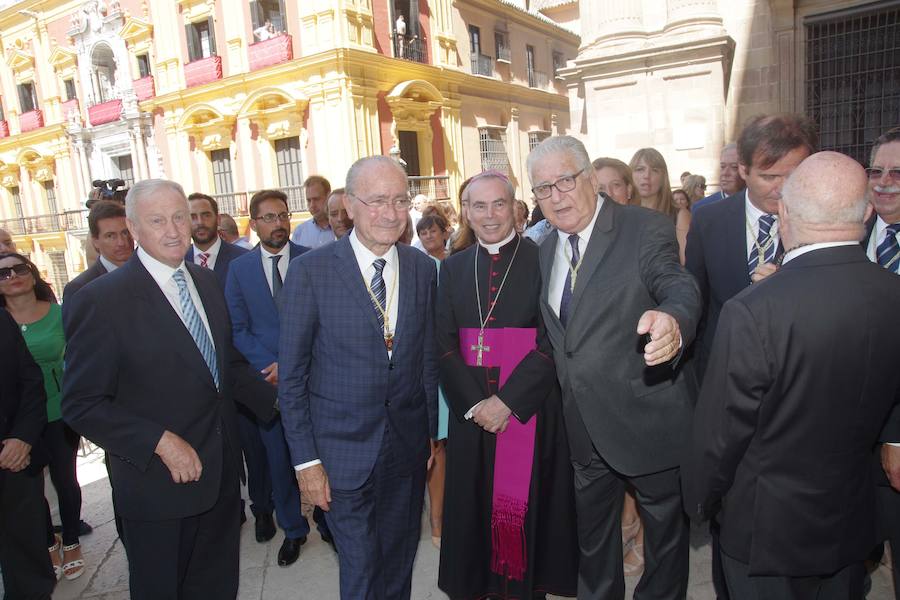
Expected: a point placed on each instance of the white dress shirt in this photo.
(877, 237)
(752, 232)
(284, 253)
(563, 257)
(789, 256)
(390, 274)
(109, 265)
(162, 274)
(213, 252)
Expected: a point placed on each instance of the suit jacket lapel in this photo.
(163, 320)
(348, 271)
(258, 278)
(406, 291)
(735, 240)
(601, 238)
(547, 253)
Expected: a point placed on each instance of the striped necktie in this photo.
(204, 259)
(765, 241)
(379, 290)
(195, 326)
(566, 298)
(888, 251)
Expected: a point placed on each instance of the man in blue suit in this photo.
(210, 251)
(252, 290)
(358, 382)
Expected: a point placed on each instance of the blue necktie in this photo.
(195, 325)
(567, 287)
(763, 240)
(277, 282)
(378, 289)
(888, 251)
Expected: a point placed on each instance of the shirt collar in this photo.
(585, 234)
(212, 250)
(283, 251)
(366, 257)
(161, 272)
(109, 265)
(495, 248)
(791, 255)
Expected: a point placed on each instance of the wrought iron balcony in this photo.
(436, 188)
(273, 51)
(538, 80)
(412, 49)
(482, 65)
(73, 220)
(203, 71)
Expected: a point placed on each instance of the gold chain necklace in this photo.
(385, 310)
(573, 271)
(760, 250)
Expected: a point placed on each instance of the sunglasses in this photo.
(20, 270)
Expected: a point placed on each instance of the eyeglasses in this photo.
(563, 184)
(877, 172)
(272, 217)
(400, 203)
(20, 270)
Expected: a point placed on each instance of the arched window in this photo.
(103, 74)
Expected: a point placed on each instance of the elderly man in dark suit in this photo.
(619, 309)
(111, 239)
(794, 398)
(358, 382)
(27, 572)
(160, 400)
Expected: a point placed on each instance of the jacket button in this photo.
(387, 402)
(390, 366)
(569, 354)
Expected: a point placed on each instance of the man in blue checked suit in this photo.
(254, 284)
(358, 382)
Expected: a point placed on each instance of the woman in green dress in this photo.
(31, 302)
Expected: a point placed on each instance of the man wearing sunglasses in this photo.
(881, 244)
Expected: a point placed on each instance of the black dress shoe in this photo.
(84, 528)
(326, 537)
(265, 527)
(243, 517)
(290, 551)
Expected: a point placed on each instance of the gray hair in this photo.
(558, 144)
(507, 185)
(148, 187)
(727, 147)
(356, 170)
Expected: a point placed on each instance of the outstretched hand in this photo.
(665, 337)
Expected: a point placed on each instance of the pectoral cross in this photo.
(480, 348)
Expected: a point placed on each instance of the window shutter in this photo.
(256, 16)
(193, 42)
(212, 37)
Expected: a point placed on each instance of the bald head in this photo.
(6, 242)
(824, 200)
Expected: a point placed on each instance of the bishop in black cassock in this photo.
(472, 565)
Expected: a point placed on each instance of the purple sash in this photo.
(514, 456)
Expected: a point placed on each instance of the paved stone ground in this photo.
(315, 574)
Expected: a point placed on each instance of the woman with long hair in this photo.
(651, 176)
(695, 188)
(31, 303)
(463, 237)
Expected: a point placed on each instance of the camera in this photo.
(107, 189)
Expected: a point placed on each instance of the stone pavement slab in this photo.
(315, 574)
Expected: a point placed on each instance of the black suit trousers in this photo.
(599, 494)
(193, 557)
(846, 584)
(27, 572)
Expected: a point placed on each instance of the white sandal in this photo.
(75, 566)
(54, 553)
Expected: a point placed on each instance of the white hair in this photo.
(356, 169)
(147, 188)
(558, 144)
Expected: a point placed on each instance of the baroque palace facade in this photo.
(231, 96)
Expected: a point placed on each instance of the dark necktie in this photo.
(277, 282)
(763, 240)
(567, 287)
(378, 289)
(888, 251)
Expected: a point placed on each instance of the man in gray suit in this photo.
(619, 309)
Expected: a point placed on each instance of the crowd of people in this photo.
(568, 385)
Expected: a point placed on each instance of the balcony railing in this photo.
(4, 128)
(144, 87)
(31, 120)
(105, 112)
(538, 80)
(237, 204)
(412, 49)
(66, 221)
(436, 188)
(482, 65)
(203, 71)
(272, 51)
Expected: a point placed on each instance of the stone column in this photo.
(693, 13)
(142, 164)
(451, 122)
(610, 18)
